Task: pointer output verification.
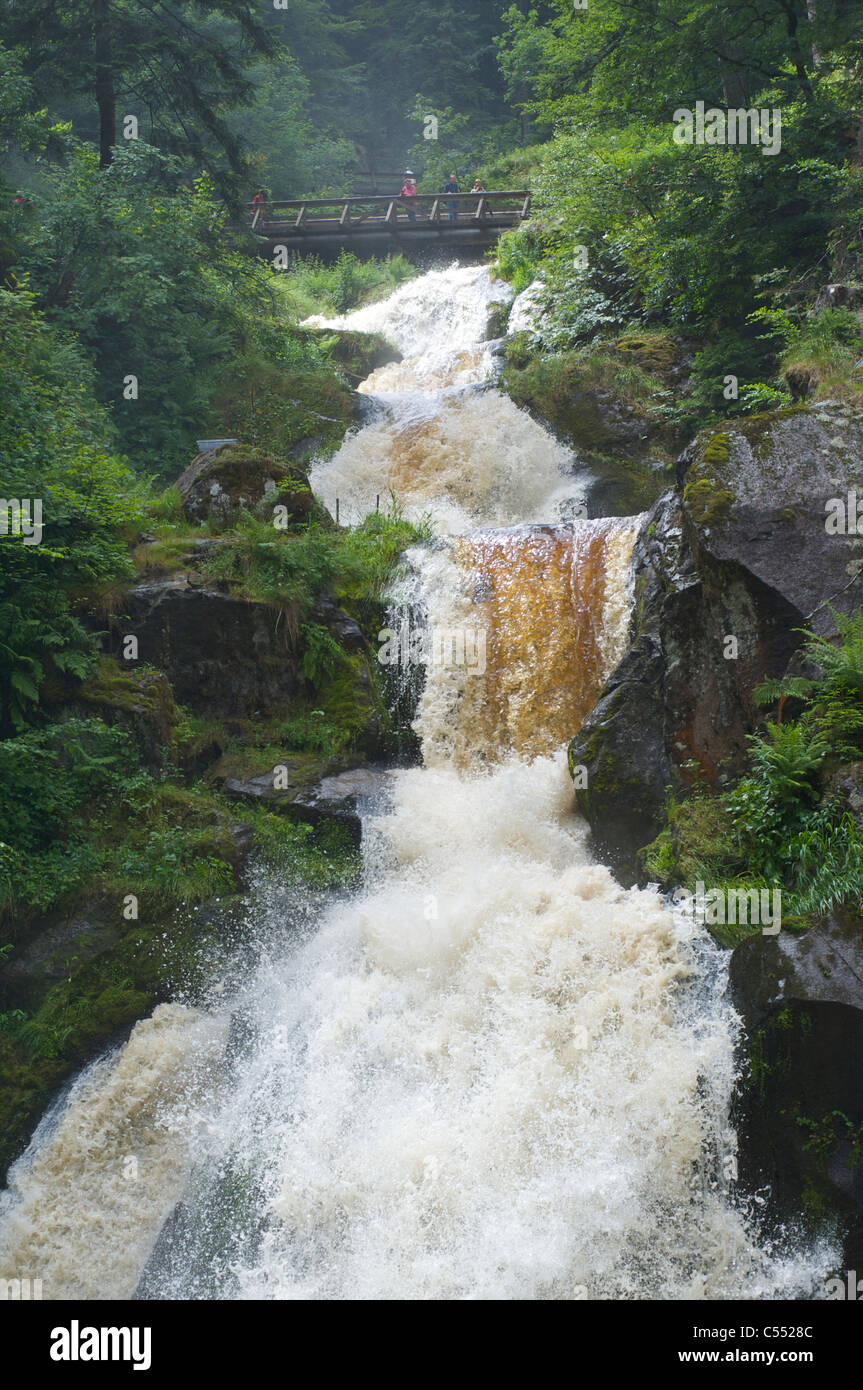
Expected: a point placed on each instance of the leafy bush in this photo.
(48, 776)
(315, 288)
(54, 442)
(322, 654)
(175, 865)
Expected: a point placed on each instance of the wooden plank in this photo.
(434, 214)
(345, 219)
(480, 211)
(391, 212)
(526, 206)
(300, 215)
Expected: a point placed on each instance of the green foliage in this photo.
(48, 775)
(152, 291)
(53, 447)
(776, 827)
(315, 288)
(759, 395)
(291, 569)
(321, 653)
(697, 236)
(835, 695)
(318, 856)
(174, 865)
(185, 67)
(310, 731)
(828, 344)
(288, 571)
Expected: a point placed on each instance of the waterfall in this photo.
(444, 441)
(491, 1072)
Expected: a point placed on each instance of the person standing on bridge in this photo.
(409, 194)
(451, 186)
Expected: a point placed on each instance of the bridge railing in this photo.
(385, 209)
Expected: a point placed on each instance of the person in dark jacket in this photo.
(451, 186)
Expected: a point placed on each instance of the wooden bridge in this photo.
(388, 222)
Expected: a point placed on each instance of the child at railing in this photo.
(409, 194)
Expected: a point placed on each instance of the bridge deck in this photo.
(370, 220)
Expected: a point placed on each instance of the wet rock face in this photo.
(727, 568)
(219, 483)
(625, 767)
(759, 495)
(222, 654)
(344, 796)
(799, 1111)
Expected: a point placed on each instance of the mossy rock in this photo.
(605, 407)
(656, 352)
(220, 483)
(498, 318)
(708, 503)
(715, 452)
(140, 700)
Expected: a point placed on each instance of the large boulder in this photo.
(799, 1110)
(341, 795)
(222, 653)
(221, 482)
(727, 570)
(757, 495)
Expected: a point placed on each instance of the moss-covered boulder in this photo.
(140, 700)
(220, 483)
(609, 402)
(757, 495)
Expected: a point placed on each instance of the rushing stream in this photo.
(491, 1072)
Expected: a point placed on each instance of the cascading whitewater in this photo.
(491, 1073)
(445, 443)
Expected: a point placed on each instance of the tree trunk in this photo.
(734, 75)
(106, 99)
(795, 51)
